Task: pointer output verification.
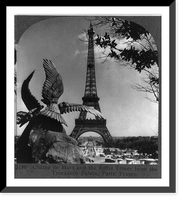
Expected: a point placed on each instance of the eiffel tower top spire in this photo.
(90, 87)
(90, 30)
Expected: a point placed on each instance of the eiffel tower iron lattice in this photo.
(82, 124)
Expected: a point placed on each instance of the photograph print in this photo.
(87, 96)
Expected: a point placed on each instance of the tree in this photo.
(151, 85)
(132, 45)
(144, 145)
(107, 151)
(15, 82)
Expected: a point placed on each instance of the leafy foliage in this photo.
(144, 145)
(141, 58)
(139, 51)
(130, 29)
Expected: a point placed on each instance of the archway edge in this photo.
(151, 23)
(24, 22)
(92, 130)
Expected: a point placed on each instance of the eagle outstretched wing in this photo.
(29, 100)
(53, 85)
(65, 107)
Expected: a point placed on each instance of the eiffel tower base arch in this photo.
(95, 125)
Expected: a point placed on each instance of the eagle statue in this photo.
(52, 90)
(48, 114)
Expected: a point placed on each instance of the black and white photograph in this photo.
(92, 96)
(87, 92)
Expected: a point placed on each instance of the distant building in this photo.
(89, 147)
(99, 150)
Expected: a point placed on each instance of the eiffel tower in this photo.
(82, 124)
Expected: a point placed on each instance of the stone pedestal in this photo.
(52, 147)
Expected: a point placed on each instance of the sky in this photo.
(127, 111)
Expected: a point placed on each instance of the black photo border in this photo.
(172, 138)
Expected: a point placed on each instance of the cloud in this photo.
(122, 43)
(84, 53)
(77, 52)
(101, 54)
(83, 36)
